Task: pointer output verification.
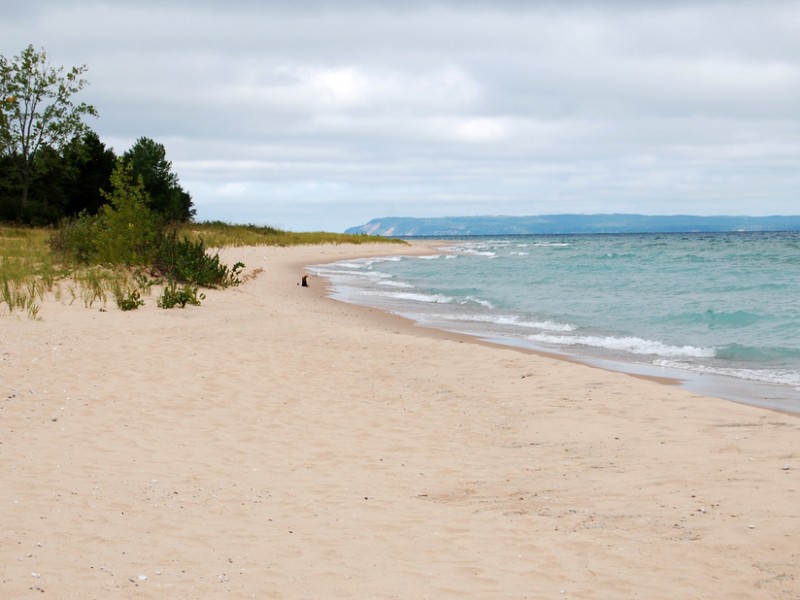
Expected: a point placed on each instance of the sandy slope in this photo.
(273, 443)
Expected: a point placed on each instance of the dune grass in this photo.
(29, 271)
(217, 234)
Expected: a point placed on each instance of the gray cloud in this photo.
(322, 115)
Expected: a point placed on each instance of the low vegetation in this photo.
(218, 234)
(95, 260)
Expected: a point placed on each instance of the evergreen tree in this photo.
(88, 167)
(148, 160)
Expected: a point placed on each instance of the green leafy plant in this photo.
(173, 296)
(128, 301)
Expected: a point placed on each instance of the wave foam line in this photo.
(632, 345)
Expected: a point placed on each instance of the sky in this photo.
(324, 114)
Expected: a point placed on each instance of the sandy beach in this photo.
(274, 443)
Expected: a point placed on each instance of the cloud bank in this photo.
(328, 114)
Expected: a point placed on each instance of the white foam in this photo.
(791, 378)
(484, 303)
(633, 345)
(352, 265)
(430, 298)
(512, 320)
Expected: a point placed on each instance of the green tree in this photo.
(127, 231)
(37, 110)
(88, 165)
(148, 160)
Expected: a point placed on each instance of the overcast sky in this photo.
(312, 115)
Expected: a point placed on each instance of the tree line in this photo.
(53, 165)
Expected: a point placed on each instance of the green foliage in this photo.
(87, 167)
(185, 260)
(148, 160)
(124, 232)
(130, 300)
(37, 109)
(173, 296)
(127, 230)
(75, 239)
(218, 234)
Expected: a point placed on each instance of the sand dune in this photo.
(274, 443)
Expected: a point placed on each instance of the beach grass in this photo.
(217, 234)
(30, 271)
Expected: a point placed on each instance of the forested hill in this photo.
(544, 224)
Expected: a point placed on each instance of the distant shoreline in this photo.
(573, 224)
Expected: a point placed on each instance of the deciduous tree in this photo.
(38, 110)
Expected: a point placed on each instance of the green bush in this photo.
(75, 239)
(184, 260)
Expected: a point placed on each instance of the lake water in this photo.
(719, 311)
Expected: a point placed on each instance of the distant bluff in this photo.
(566, 224)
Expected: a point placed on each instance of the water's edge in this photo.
(763, 395)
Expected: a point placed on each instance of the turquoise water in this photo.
(719, 311)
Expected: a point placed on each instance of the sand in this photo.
(274, 443)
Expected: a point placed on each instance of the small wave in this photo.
(396, 284)
(632, 345)
(430, 257)
(511, 320)
(430, 298)
(351, 274)
(478, 301)
(774, 376)
(372, 274)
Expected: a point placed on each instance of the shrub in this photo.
(75, 239)
(184, 260)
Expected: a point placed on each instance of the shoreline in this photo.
(276, 443)
(764, 395)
